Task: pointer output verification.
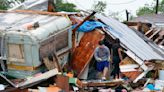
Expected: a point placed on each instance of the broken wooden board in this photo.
(84, 52)
(38, 78)
(102, 83)
(128, 66)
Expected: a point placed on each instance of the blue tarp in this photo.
(151, 87)
(90, 25)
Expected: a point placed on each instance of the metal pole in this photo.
(156, 10)
(127, 15)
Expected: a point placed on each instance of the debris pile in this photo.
(54, 52)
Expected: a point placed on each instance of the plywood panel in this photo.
(84, 52)
(16, 53)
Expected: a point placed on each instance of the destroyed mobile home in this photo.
(36, 46)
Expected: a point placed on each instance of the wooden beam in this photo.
(162, 42)
(34, 12)
(156, 32)
(149, 32)
(102, 83)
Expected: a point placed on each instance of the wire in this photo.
(123, 3)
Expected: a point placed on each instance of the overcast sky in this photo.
(114, 5)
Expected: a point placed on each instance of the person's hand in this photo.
(99, 59)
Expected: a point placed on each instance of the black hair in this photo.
(101, 42)
(117, 40)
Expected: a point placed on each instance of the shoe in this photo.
(103, 78)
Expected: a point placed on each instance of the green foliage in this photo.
(99, 7)
(69, 7)
(145, 10)
(5, 4)
(150, 9)
(161, 6)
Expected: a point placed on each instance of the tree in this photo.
(145, 10)
(69, 7)
(5, 4)
(150, 9)
(99, 7)
(161, 6)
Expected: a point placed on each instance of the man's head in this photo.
(101, 42)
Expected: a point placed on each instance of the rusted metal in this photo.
(84, 52)
(74, 30)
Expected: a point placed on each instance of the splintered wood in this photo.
(131, 75)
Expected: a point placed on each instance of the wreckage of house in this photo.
(30, 38)
(35, 42)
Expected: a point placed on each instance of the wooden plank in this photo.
(157, 39)
(84, 52)
(38, 78)
(156, 32)
(132, 75)
(16, 53)
(162, 42)
(149, 32)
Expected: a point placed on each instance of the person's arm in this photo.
(96, 55)
(119, 53)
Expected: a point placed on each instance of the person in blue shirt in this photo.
(102, 55)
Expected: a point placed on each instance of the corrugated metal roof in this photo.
(48, 24)
(151, 18)
(130, 39)
(11, 20)
(32, 5)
